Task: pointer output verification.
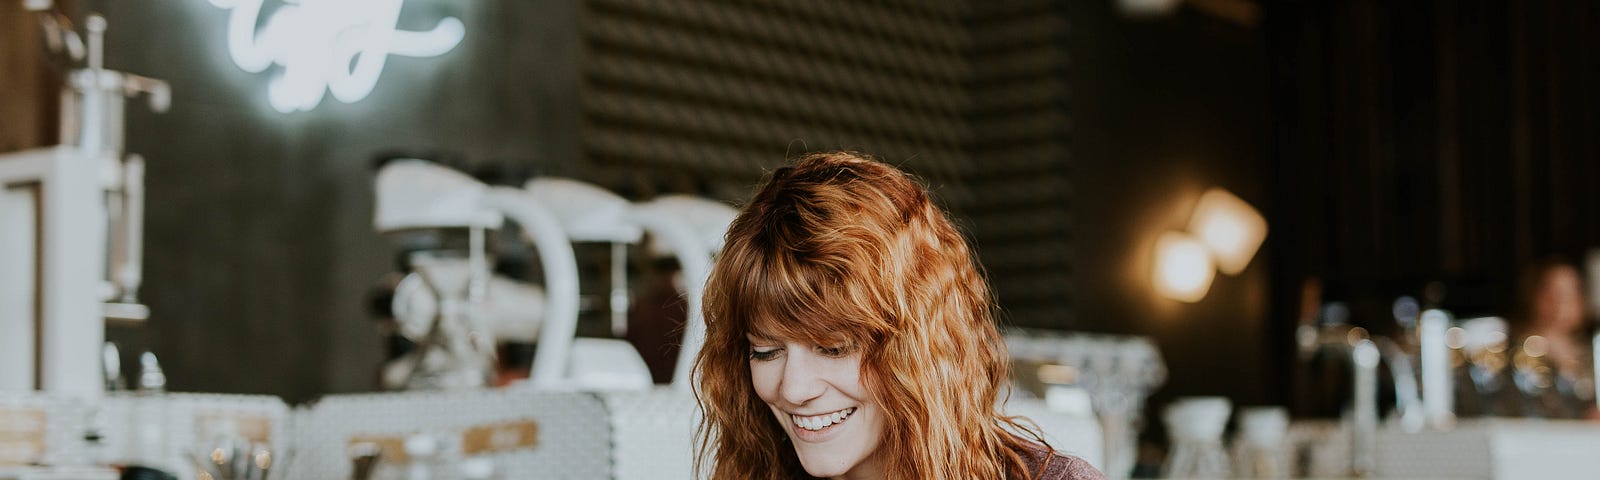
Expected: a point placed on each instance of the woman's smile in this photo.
(819, 428)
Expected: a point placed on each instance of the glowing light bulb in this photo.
(1183, 267)
(1229, 227)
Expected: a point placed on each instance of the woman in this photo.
(1552, 360)
(850, 335)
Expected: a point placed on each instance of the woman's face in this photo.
(815, 392)
(1559, 302)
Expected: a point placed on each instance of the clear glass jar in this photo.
(1195, 425)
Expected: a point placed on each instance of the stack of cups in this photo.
(1259, 446)
(1196, 425)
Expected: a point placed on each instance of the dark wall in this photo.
(259, 247)
(1447, 140)
(260, 250)
(1434, 141)
(1389, 143)
(1162, 109)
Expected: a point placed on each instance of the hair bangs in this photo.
(788, 298)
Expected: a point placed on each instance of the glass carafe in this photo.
(1195, 425)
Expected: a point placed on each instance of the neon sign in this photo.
(327, 46)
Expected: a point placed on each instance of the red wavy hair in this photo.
(839, 247)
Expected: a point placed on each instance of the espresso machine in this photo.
(439, 304)
(689, 228)
(454, 308)
(71, 223)
(583, 213)
(420, 202)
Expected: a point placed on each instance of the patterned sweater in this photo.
(1046, 464)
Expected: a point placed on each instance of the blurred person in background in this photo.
(1552, 358)
(851, 335)
(655, 323)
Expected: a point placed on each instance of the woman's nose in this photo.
(802, 381)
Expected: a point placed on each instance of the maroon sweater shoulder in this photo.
(1046, 464)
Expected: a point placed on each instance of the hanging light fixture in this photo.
(1229, 227)
(1183, 267)
(1223, 235)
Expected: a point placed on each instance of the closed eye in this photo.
(760, 354)
(836, 351)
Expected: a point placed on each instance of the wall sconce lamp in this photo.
(1229, 228)
(1183, 267)
(1224, 234)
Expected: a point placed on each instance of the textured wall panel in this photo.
(1019, 119)
(969, 97)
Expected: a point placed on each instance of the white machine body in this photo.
(71, 224)
(554, 213)
(53, 287)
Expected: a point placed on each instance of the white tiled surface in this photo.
(573, 435)
(652, 434)
(1501, 449)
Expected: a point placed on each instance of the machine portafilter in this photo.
(455, 346)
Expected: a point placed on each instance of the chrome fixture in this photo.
(72, 222)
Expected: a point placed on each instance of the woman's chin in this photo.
(823, 469)
(824, 473)
(840, 464)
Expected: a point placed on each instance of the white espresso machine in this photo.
(71, 223)
(418, 195)
(454, 308)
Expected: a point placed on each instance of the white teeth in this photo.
(820, 422)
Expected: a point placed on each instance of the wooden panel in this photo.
(25, 104)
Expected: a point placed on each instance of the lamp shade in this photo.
(1230, 228)
(414, 193)
(1183, 267)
